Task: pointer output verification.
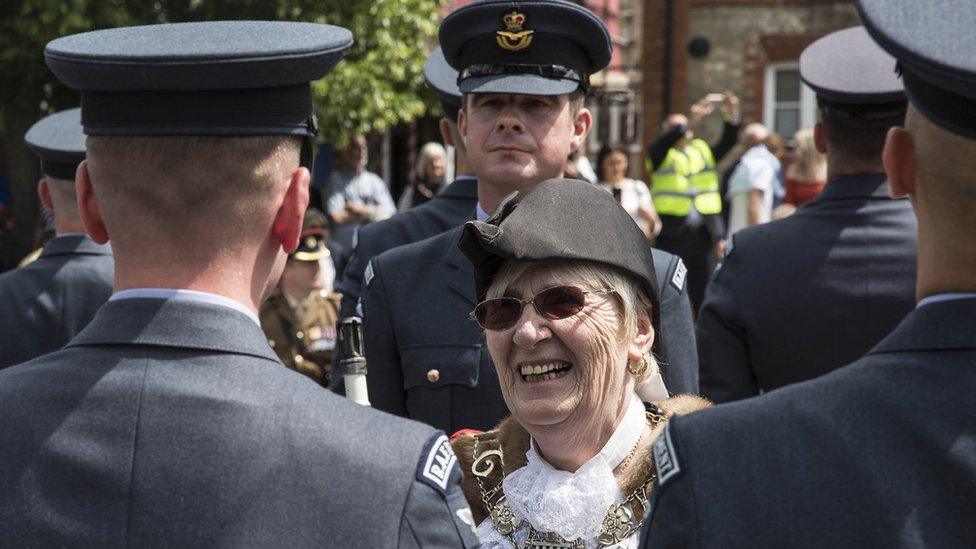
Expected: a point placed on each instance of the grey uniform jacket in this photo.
(449, 209)
(44, 304)
(427, 357)
(169, 423)
(876, 454)
(797, 298)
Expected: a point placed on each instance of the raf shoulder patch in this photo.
(438, 464)
(679, 275)
(665, 459)
(368, 273)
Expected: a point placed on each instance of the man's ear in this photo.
(446, 134)
(462, 124)
(44, 193)
(287, 227)
(91, 215)
(899, 162)
(581, 127)
(820, 138)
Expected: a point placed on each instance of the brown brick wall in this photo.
(745, 36)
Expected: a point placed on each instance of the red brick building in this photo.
(753, 48)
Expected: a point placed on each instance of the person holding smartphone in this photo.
(632, 194)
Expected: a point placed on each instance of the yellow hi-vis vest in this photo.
(687, 178)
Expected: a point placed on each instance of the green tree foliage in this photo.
(378, 84)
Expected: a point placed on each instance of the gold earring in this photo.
(643, 367)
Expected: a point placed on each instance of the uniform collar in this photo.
(186, 295)
(465, 186)
(862, 185)
(939, 298)
(938, 325)
(75, 244)
(175, 323)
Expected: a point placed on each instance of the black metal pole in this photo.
(668, 54)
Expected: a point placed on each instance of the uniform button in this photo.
(300, 335)
(433, 376)
(299, 359)
(271, 343)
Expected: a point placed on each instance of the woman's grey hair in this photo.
(426, 154)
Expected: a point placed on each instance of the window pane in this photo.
(786, 122)
(787, 85)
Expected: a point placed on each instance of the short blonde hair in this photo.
(64, 197)
(171, 188)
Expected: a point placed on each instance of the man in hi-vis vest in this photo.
(685, 189)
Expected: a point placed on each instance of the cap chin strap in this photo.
(306, 158)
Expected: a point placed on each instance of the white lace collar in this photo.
(572, 505)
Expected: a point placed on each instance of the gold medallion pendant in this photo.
(514, 39)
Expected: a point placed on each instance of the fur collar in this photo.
(513, 440)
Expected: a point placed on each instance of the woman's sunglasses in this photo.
(553, 303)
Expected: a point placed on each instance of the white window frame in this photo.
(808, 99)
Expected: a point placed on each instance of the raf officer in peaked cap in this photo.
(300, 318)
(450, 208)
(523, 71)
(803, 296)
(45, 303)
(168, 419)
(878, 453)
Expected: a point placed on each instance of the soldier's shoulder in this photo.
(422, 250)
(670, 270)
(413, 225)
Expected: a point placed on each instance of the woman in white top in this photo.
(611, 169)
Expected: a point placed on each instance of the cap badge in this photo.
(514, 39)
(310, 242)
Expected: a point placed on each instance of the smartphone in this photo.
(617, 193)
(715, 98)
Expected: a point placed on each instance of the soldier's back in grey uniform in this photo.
(877, 453)
(45, 303)
(800, 297)
(169, 420)
(173, 423)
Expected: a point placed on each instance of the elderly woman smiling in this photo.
(570, 312)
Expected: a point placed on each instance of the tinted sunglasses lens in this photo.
(560, 302)
(498, 314)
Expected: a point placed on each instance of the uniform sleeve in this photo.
(436, 514)
(723, 349)
(672, 520)
(680, 372)
(385, 375)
